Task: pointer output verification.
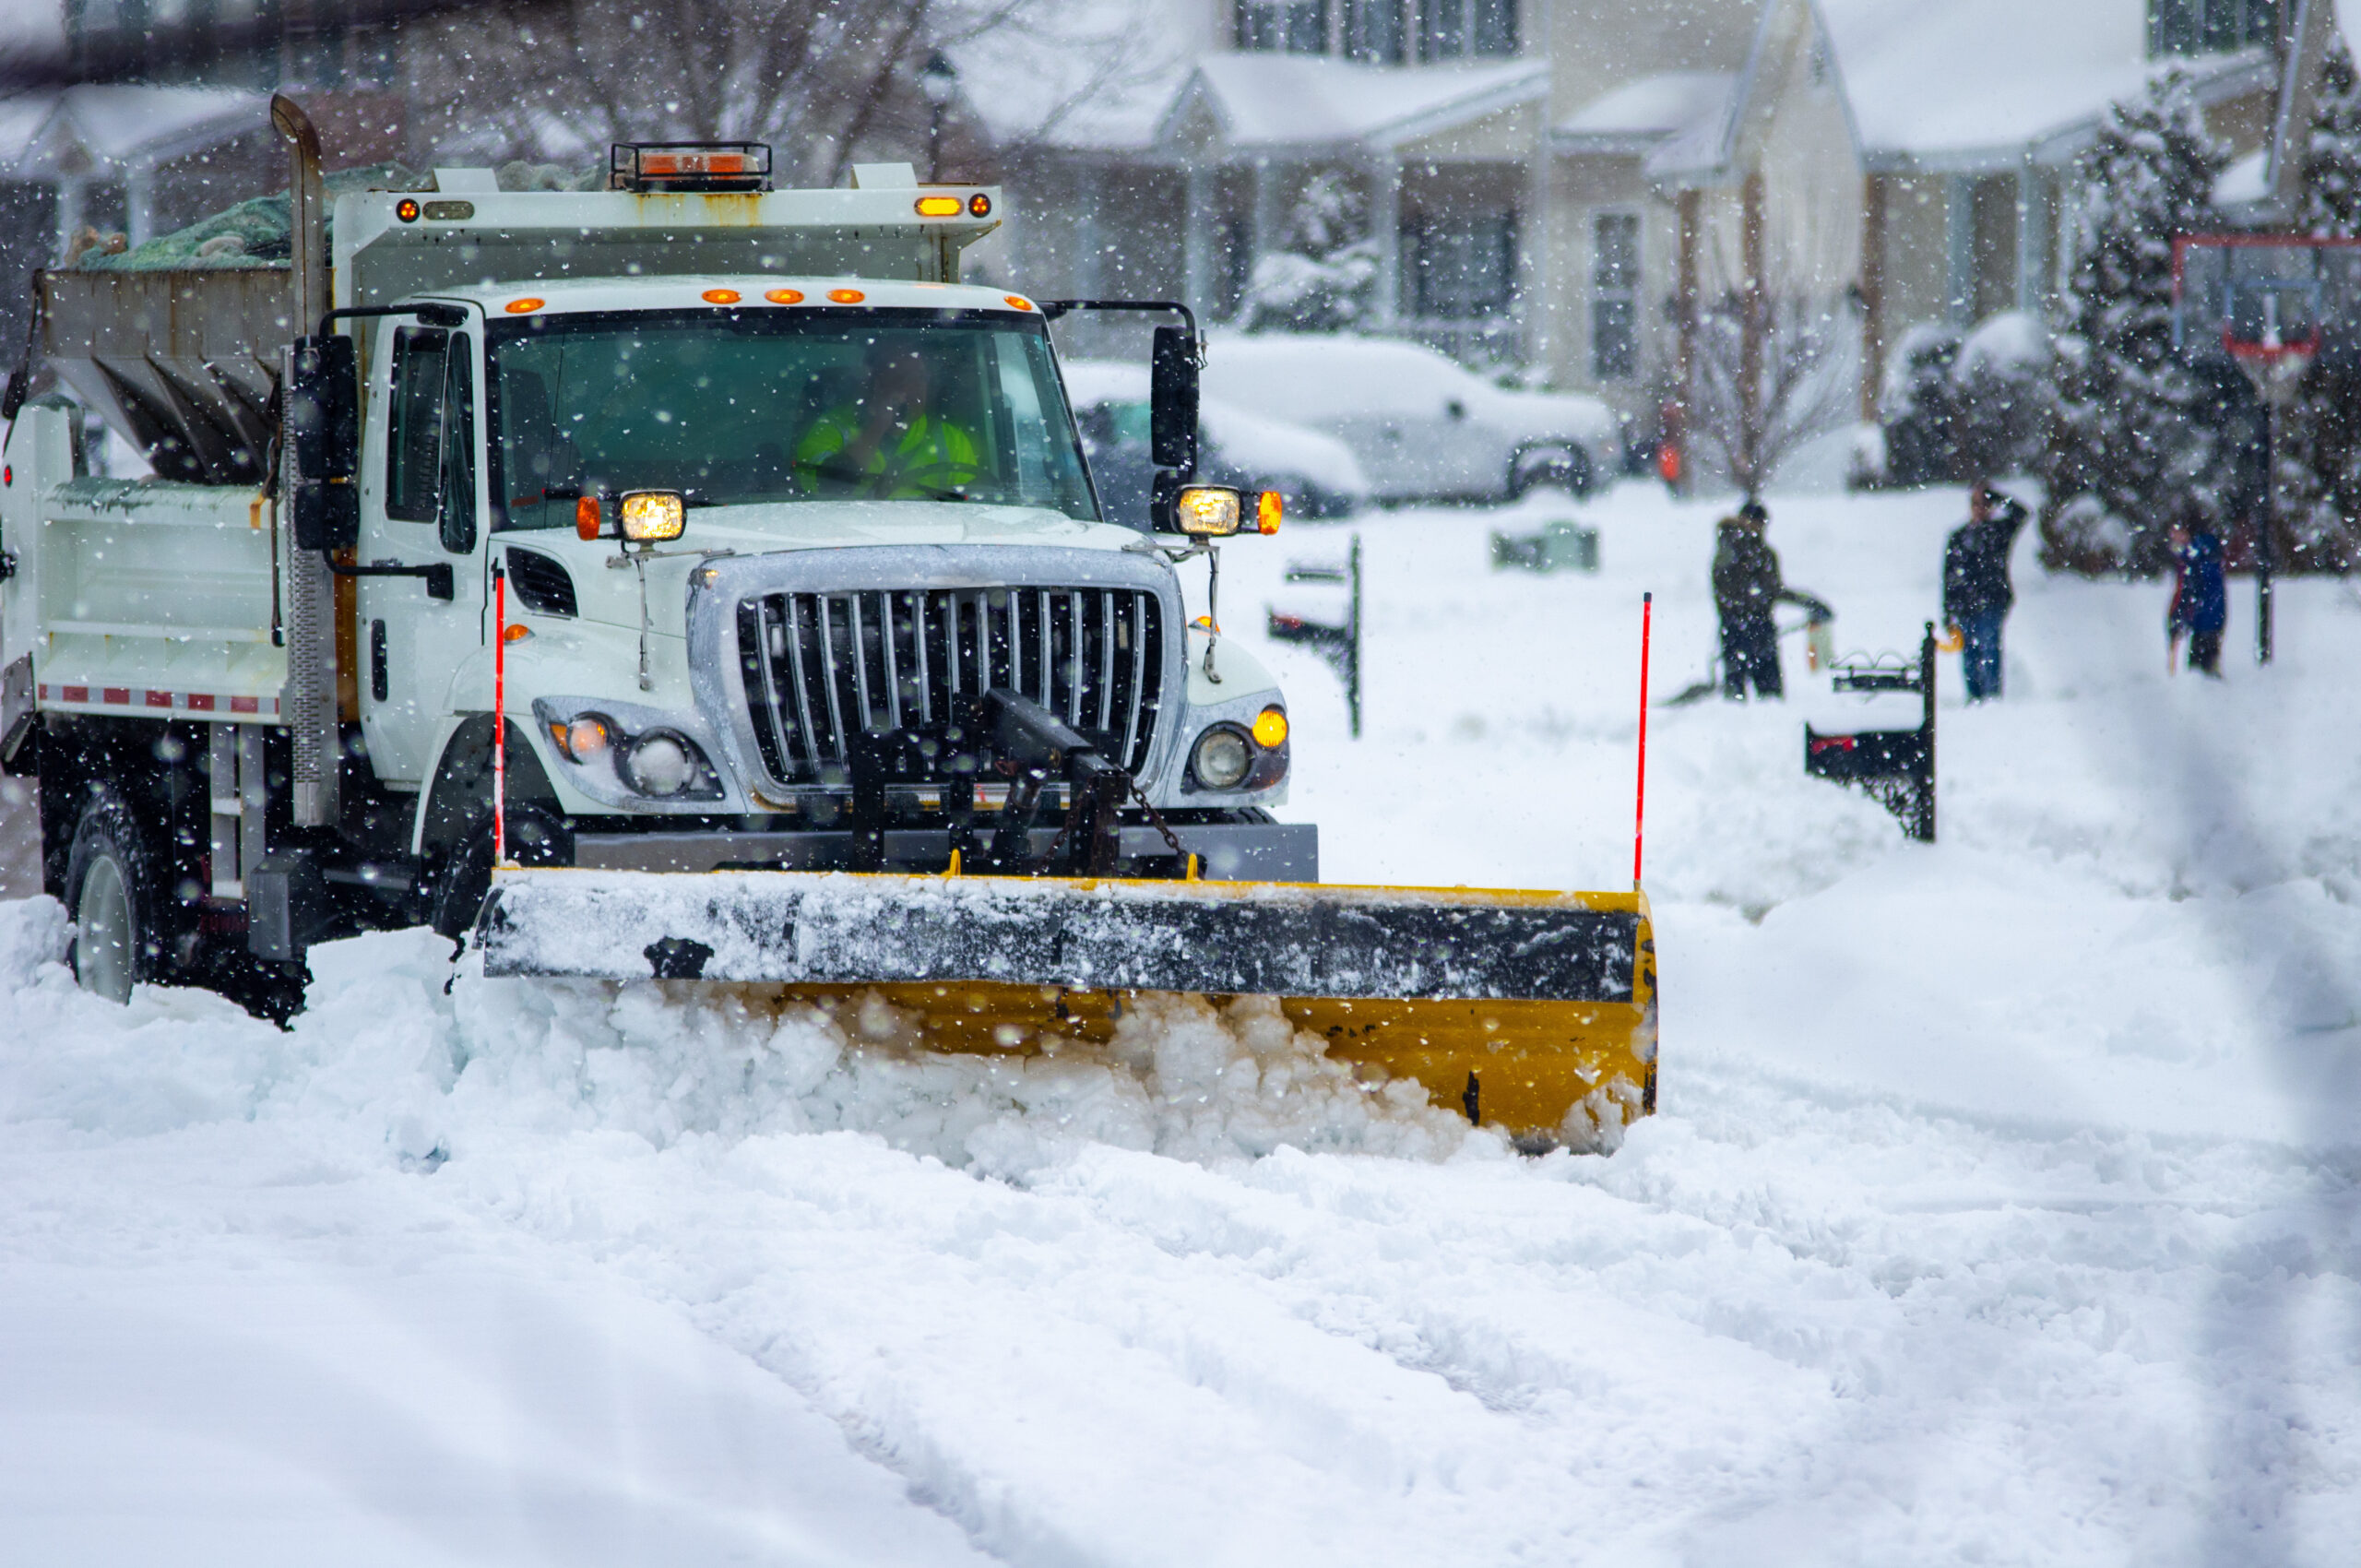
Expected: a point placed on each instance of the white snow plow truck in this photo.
(695, 581)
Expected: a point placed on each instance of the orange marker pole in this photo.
(1639, 794)
(499, 715)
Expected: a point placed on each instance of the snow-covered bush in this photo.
(1324, 278)
(1919, 404)
(1957, 407)
(2003, 387)
(2132, 430)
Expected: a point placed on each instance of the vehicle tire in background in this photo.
(112, 892)
(1556, 467)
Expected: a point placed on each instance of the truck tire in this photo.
(536, 838)
(111, 891)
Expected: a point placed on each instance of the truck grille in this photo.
(821, 665)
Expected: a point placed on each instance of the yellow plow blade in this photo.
(1531, 1012)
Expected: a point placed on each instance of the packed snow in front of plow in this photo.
(2001, 1206)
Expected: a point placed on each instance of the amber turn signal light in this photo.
(1269, 507)
(585, 517)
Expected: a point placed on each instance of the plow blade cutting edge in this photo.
(1535, 1013)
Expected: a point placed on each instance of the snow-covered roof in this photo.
(1967, 80)
(1304, 101)
(1642, 113)
(65, 131)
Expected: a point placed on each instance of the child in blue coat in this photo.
(2201, 604)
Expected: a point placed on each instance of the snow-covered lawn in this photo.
(2004, 1207)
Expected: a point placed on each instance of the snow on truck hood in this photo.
(610, 598)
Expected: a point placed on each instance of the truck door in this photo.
(420, 505)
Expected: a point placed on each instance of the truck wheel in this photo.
(536, 838)
(111, 888)
(465, 879)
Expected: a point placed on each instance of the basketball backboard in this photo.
(2268, 301)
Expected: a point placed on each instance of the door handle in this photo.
(440, 583)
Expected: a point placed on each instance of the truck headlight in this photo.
(660, 763)
(583, 737)
(651, 516)
(1221, 758)
(1209, 511)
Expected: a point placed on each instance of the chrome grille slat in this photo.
(1087, 654)
(792, 617)
(829, 664)
(918, 604)
(1105, 656)
(1131, 725)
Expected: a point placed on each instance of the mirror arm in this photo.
(1052, 309)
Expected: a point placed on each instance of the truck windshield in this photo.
(781, 405)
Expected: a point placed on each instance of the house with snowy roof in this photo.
(1439, 116)
(1908, 163)
(1566, 186)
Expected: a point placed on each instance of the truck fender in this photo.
(459, 795)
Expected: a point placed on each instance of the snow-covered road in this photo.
(2002, 1207)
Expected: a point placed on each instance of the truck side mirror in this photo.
(323, 433)
(1172, 400)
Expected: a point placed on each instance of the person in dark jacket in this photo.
(1745, 585)
(2201, 604)
(1976, 590)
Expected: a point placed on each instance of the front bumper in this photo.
(1227, 852)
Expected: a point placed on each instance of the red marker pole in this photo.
(499, 715)
(1640, 793)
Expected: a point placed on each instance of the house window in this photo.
(1615, 296)
(1461, 269)
(1373, 31)
(1451, 29)
(2198, 26)
(1297, 27)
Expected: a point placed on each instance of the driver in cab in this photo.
(892, 444)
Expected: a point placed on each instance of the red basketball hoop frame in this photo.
(2266, 299)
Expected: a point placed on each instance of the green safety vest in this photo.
(932, 458)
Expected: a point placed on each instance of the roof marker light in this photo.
(719, 296)
(1018, 301)
(785, 296)
(525, 306)
(938, 207)
(846, 296)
